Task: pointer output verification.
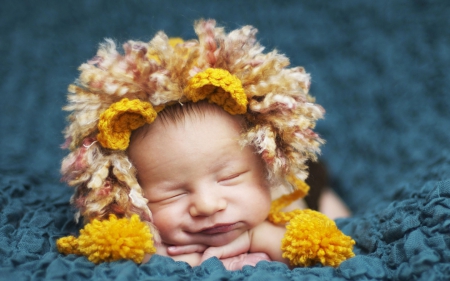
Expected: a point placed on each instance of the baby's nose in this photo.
(206, 204)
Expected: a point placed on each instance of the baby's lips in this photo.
(220, 228)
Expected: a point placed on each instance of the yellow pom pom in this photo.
(312, 237)
(219, 87)
(111, 240)
(68, 245)
(120, 119)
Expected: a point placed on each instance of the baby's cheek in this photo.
(168, 225)
(162, 220)
(263, 206)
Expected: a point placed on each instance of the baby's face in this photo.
(202, 187)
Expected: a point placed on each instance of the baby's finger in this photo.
(236, 247)
(238, 262)
(186, 249)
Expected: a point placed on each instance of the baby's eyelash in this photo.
(177, 195)
(233, 176)
(166, 199)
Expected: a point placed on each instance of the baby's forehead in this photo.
(178, 114)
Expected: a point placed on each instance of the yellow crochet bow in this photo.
(121, 118)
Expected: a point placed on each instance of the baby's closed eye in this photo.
(166, 198)
(232, 178)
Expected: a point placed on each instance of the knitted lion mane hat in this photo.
(117, 93)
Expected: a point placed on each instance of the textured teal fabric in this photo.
(408, 239)
(380, 69)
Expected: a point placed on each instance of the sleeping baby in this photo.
(178, 147)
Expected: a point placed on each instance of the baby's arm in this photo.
(267, 238)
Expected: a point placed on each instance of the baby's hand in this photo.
(240, 245)
(238, 262)
(230, 263)
(187, 254)
(233, 255)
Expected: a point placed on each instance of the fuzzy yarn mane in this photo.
(279, 111)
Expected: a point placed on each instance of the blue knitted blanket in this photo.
(379, 68)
